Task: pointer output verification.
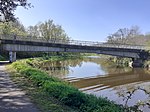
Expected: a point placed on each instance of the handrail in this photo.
(71, 42)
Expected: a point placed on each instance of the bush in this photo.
(75, 99)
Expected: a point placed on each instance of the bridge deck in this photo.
(14, 44)
(72, 42)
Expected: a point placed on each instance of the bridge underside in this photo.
(18, 46)
(29, 48)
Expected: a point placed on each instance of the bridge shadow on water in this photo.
(130, 88)
(111, 80)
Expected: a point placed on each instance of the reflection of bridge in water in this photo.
(27, 44)
(103, 82)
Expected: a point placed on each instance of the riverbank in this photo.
(62, 92)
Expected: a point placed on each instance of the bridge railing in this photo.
(71, 42)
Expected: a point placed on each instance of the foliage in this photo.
(48, 31)
(7, 8)
(33, 31)
(128, 36)
(121, 62)
(147, 64)
(50, 61)
(9, 28)
(64, 92)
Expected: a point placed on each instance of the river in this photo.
(93, 75)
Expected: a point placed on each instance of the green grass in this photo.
(42, 99)
(63, 92)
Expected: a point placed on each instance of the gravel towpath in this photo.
(13, 99)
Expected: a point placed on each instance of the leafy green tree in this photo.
(48, 31)
(9, 28)
(59, 33)
(7, 8)
(33, 31)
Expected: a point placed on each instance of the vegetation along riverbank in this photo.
(52, 94)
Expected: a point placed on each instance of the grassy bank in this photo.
(58, 91)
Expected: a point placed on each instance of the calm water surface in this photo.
(95, 76)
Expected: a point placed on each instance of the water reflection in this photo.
(80, 68)
(130, 87)
(112, 80)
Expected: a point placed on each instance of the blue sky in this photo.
(91, 20)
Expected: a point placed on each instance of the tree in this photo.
(7, 8)
(119, 37)
(33, 31)
(9, 28)
(48, 31)
(125, 36)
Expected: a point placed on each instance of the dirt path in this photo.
(13, 99)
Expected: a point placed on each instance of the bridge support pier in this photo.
(137, 62)
(12, 56)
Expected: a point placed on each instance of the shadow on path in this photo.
(12, 99)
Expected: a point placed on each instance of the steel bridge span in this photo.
(27, 44)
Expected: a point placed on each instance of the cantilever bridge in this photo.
(14, 44)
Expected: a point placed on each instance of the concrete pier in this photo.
(137, 63)
(12, 56)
